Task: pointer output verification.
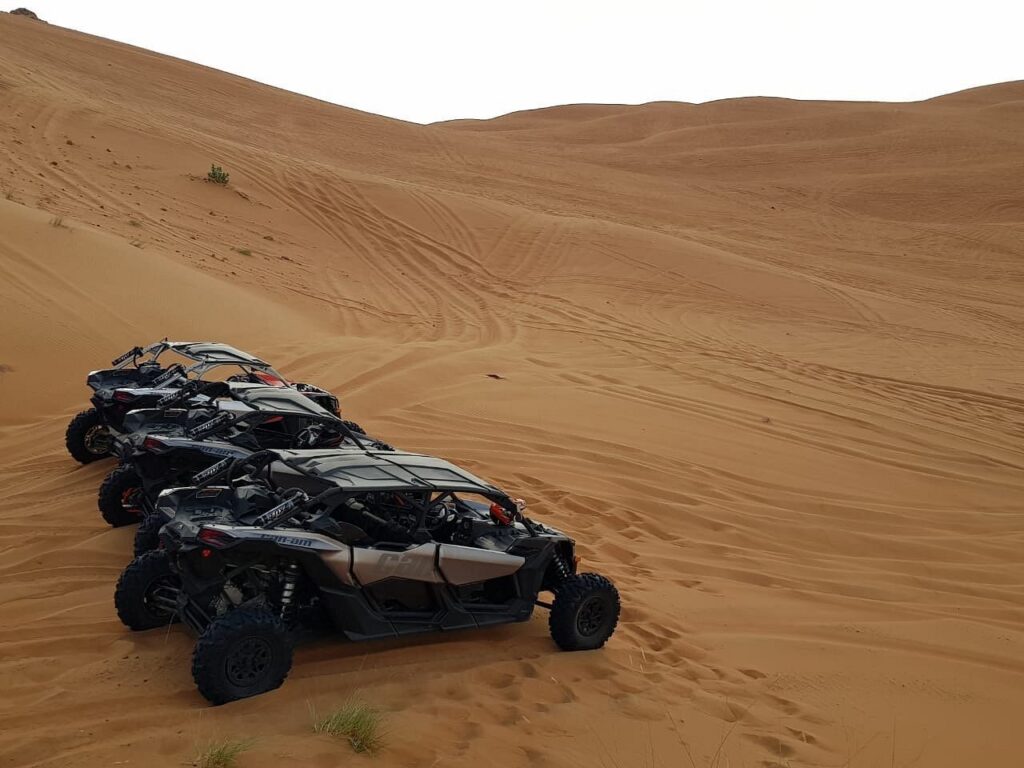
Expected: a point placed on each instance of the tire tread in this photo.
(568, 596)
(133, 579)
(74, 436)
(208, 654)
(111, 491)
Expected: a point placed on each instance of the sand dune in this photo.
(761, 357)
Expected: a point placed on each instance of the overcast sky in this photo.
(441, 59)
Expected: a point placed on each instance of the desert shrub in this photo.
(358, 723)
(217, 175)
(222, 754)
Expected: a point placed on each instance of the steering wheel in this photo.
(310, 436)
(438, 513)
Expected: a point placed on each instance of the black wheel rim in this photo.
(97, 440)
(161, 597)
(248, 661)
(592, 616)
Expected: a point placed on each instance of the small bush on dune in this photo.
(354, 721)
(217, 175)
(222, 754)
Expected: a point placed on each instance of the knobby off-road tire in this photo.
(243, 653)
(584, 613)
(145, 592)
(147, 535)
(86, 438)
(119, 497)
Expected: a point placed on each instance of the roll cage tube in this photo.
(261, 461)
(204, 478)
(229, 466)
(203, 367)
(199, 369)
(132, 355)
(328, 420)
(266, 458)
(283, 511)
(224, 420)
(504, 501)
(176, 371)
(190, 389)
(194, 388)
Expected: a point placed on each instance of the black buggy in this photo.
(138, 380)
(370, 544)
(167, 445)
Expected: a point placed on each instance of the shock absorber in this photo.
(562, 570)
(291, 576)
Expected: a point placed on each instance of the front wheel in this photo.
(584, 613)
(243, 653)
(120, 497)
(87, 437)
(146, 595)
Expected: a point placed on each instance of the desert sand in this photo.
(761, 357)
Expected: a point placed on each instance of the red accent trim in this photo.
(153, 444)
(500, 514)
(270, 379)
(215, 538)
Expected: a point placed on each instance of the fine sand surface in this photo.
(762, 358)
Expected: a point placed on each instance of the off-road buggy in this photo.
(138, 380)
(168, 444)
(370, 544)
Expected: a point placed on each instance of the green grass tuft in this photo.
(244, 251)
(218, 175)
(222, 754)
(357, 722)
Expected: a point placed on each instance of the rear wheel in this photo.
(584, 613)
(87, 437)
(243, 653)
(146, 596)
(147, 535)
(120, 496)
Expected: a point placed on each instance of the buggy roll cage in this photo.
(206, 355)
(226, 419)
(260, 462)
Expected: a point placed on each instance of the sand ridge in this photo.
(761, 357)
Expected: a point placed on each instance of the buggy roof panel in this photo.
(278, 400)
(387, 471)
(215, 352)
